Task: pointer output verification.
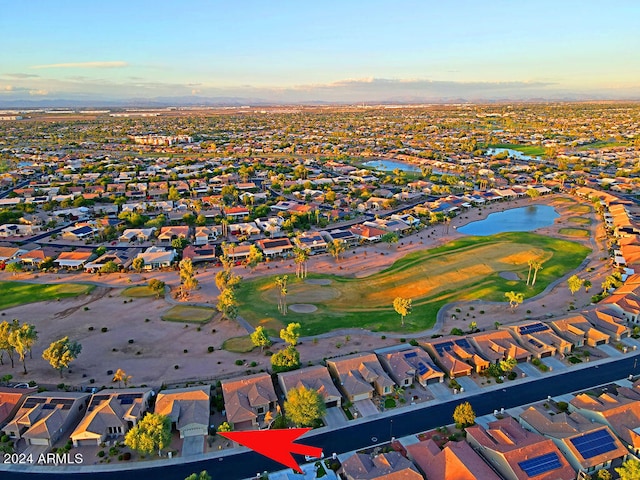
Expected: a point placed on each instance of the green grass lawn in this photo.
(238, 344)
(580, 220)
(188, 314)
(534, 150)
(17, 293)
(580, 209)
(138, 292)
(465, 269)
(574, 232)
(601, 144)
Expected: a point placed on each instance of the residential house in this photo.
(311, 240)
(271, 225)
(73, 260)
(410, 364)
(588, 446)
(7, 254)
(540, 339)
(618, 412)
(366, 233)
(275, 247)
(137, 234)
(18, 230)
(314, 378)
(384, 466)
(158, 257)
(33, 258)
(200, 253)
(10, 401)
(188, 408)
(625, 301)
(606, 319)
(248, 399)
(456, 461)
(236, 213)
(456, 356)
(79, 232)
(247, 229)
(122, 259)
(46, 417)
(359, 375)
(237, 252)
(111, 413)
(389, 225)
(346, 236)
(517, 454)
(579, 331)
(170, 233)
(205, 235)
(499, 345)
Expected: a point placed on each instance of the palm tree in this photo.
(514, 298)
(121, 376)
(536, 266)
(336, 248)
(530, 262)
(281, 283)
(301, 256)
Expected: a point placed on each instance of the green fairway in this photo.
(238, 344)
(188, 314)
(466, 269)
(17, 293)
(138, 292)
(580, 209)
(602, 144)
(534, 150)
(574, 232)
(579, 220)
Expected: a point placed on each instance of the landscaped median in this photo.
(469, 268)
(18, 293)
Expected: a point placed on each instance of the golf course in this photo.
(17, 293)
(469, 268)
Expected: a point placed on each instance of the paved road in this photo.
(362, 434)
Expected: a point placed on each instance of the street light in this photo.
(391, 429)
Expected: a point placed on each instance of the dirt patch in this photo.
(302, 308)
(509, 275)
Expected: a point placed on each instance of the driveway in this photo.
(529, 370)
(193, 446)
(613, 352)
(366, 408)
(554, 364)
(631, 342)
(468, 384)
(335, 417)
(440, 390)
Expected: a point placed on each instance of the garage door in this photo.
(88, 442)
(332, 404)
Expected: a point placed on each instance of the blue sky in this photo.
(319, 50)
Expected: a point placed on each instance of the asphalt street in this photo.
(360, 435)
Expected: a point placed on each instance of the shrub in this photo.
(126, 456)
(91, 329)
(104, 329)
(101, 453)
(131, 340)
(512, 375)
(413, 342)
(86, 309)
(403, 340)
(210, 349)
(239, 362)
(383, 337)
(176, 367)
(4, 439)
(254, 364)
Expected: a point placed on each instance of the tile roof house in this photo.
(169, 233)
(122, 258)
(588, 446)
(518, 454)
(385, 466)
(359, 375)
(455, 356)
(139, 234)
(540, 339)
(248, 399)
(316, 378)
(577, 330)
(200, 253)
(73, 260)
(10, 401)
(606, 319)
(111, 413)
(456, 461)
(46, 417)
(311, 240)
(204, 235)
(157, 257)
(411, 364)
(188, 409)
(370, 234)
(499, 345)
(275, 247)
(620, 413)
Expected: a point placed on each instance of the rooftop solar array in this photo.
(410, 354)
(422, 368)
(543, 463)
(442, 347)
(33, 401)
(594, 443)
(463, 343)
(533, 328)
(535, 343)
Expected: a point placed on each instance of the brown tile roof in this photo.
(386, 466)
(243, 395)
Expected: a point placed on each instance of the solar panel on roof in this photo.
(422, 368)
(410, 355)
(126, 401)
(543, 463)
(463, 343)
(594, 443)
(48, 406)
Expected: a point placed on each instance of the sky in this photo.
(319, 50)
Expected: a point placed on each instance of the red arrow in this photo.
(275, 444)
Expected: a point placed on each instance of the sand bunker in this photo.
(318, 281)
(509, 275)
(302, 308)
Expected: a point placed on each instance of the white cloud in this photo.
(116, 64)
(38, 93)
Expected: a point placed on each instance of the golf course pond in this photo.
(523, 219)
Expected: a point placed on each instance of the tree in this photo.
(402, 306)
(390, 238)
(304, 406)
(138, 264)
(226, 279)
(285, 360)
(630, 470)
(187, 276)
(6, 329)
(291, 333)
(530, 262)
(281, 283)
(121, 376)
(109, 267)
(173, 194)
(575, 283)
(228, 304)
(300, 257)
(254, 258)
(61, 353)
(514, 298)
(152, 433)
(179, 243)
(225, 427)
(473, 326)
(13, 268)
(203, 475)
(533, 193)
(336, 248)
(464, 416)
(536, 267)
(22, 339)
(602, 474)
(587, 285)
(157, 286)
(507, 365)
(260, 338)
